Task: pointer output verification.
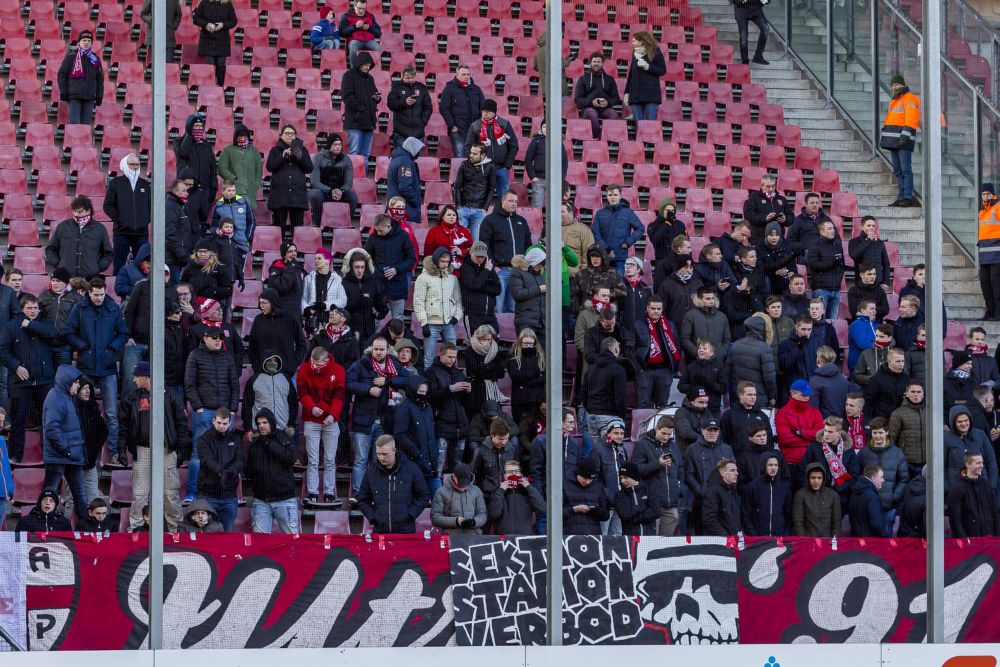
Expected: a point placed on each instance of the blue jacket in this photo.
(368, 408)
(392, 251)
(62, 434)
(323, 31)
(615, 226)
(31, 347)
(575, 449)
(6, 477)
(867, 517)
(238, 209)
(392, 498)
(414, 431)
(404, 180)
(973, 442)
(792, 359)
(830, 390)
(130, 274)
(861, 335)
(766, 503)
(97, 333)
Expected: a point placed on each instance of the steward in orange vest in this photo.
(989, 250)
(899, 137)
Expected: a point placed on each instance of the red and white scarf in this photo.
(633, 281)
(597, 305)
(977, 349)
(499, 135)
(336, 334)
(386, 370)
(835, 461)
(856, 431)
(655, 352)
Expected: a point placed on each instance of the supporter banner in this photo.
(12, 603)
(236, 591)
(256, 591)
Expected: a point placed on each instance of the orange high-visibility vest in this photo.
(901, 121)
(989, 234)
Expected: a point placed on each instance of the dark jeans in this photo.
(317, 198)
(226, 508)
(989, 282)
(21, 403)
(220, 68)
(81, 112)
(755, 15)
(288, 219)
(653, 386)
(595, 116)
(74, 477)
(125, 244)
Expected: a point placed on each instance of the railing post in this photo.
(876, 73)
(977, 136)
(829, 50)
(851, 31)
(995, 88)
(788, 26)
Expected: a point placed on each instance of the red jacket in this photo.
(448, 237)
(797, 424)
(324, 389)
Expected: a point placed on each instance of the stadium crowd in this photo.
(423, 366)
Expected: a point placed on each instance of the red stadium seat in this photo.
(682, 176)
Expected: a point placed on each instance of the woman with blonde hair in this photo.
(208, 277)
(643, 90)
(484, 367)
(526, 368)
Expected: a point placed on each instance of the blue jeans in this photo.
(109, 395)
(447, 459)
(325, 44)
(471, 219)
(226, 509)
(362, 443)
(285, 512)
(438, 332)
(200, 422)
(902, 169)
(457, 143)
(503, 182)
(74, 477)
(645, 111)
(133, 355)
(81, 112)
(890, 521)
(355, 46)
(359, 142)
(505, 302)
(831, 299)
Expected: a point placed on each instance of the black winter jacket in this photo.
(288, 175)
(211, 380)
(605, 386)
(449, 413)
(643, 86)
(488, 464)
(211, 284)
(288, 281)
(972, 508)
(884, 393)
(666, 481)
(278, 333)
(270, 463)
(199, 157)
(135, 423)
(721, 510)
(766, 504)
(758, 206)
(699, 466)
(590, 87)
(480, 288)
(392, 498)
(89, 87)
(527, 379)
(221, 456)
(178, 231)
(365, 303)
(83, 252)
(413, 428)
(502, 155)
(638, 508)
(826, 264)
(30, 347)
(864, 250)
(358, 91)
(459, 105)
(214, 43)
(505, 235)
(410, 120)
(129, 208)
(475, 184)
(593, 495)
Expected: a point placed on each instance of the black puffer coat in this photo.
(288, 175)
(357, 89)
(211, 11)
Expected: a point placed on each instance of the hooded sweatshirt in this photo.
(128, 201)
(816, 513)
(189, 525)
(270, 461)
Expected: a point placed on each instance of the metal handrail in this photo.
(10, 641)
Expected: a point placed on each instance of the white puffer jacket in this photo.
(437, 297)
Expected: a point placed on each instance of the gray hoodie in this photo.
(752, 360)
(449, 504)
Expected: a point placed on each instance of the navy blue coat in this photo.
(30, 347)
(130, 274)
(615, 226)
(368, 408)
(404, 180)
(414, 433)
(460, 106)
(575, 449)
(392, 251)
(392, 498)
(97, 333)
(766, 503)
(867, 517)
(62, 435)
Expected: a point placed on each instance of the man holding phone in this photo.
(411, 107)
(764, 206)
(514, 502)
(658, 462)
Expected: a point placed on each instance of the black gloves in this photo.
(426, 330)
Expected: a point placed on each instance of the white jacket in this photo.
(437, 298)
(335, 293)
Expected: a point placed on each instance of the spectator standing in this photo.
(678, 291)
(766, 500)
(908, 426)
(322, 390)
(413, 428)
(596, 272)
(701, 466)
(881, 452)
(81, 80)
(361, 99)
(527, 288)
(275, 332)
(657, 353)
(596, 94)
(63, 446)
(365, 298)
(962, 439)
(637, 504)
(448, 390)
(215, 18)
(404, 177)
(722, 510)
(174, 16)
(26, 351)
(56, 303)
(830, 388)
(361, 30)
(177, 448)
(576, 236)
(866, 287)
(585, 503)
(207, 276)
(322, 288)
(458, 507)
(972, 502)
(899, 137)
(221, 454)
(437, 302)
(287, 277)
(474, 188)
(480, 287)
(460, 103)
(816, 507)
(273, 390)
(490, 456)
(392, 255)
(95, 433)
(643, 90)
(747, 12)
(526, 368)
(393, 493)
(988, 245)
(870, 345)
(484, 366)
(128, 202)
(658, 461)
(907, 325)
(804, 232)
(241, 163)
(694, 408)
(885, 391)
(867, 516)
(325, 34)
(211, 382)
(868, 248)
(177, 228)
(505, 234)
(238, 209)
(797, 424)
(411, 107)
(289, 164)
(195, 153)
(825, 262)
(913, 515)
(616, 227)
(611, 457)
(500, 141)
(777, 258)
(80, 244)
(737, 419)
(269, 467)
(514, 502)
(535, 162)
(332, 179)
(96, 331)
(705, 322)
(751, 359)
(338, 338)
(765, 206)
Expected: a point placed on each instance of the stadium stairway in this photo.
(845, 150)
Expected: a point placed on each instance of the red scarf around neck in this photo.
(633, 281)
(835, 460)
(498, 134)
(386, 370)
(336, 334)
(598, 306)
(977, 349)
(655, 351)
